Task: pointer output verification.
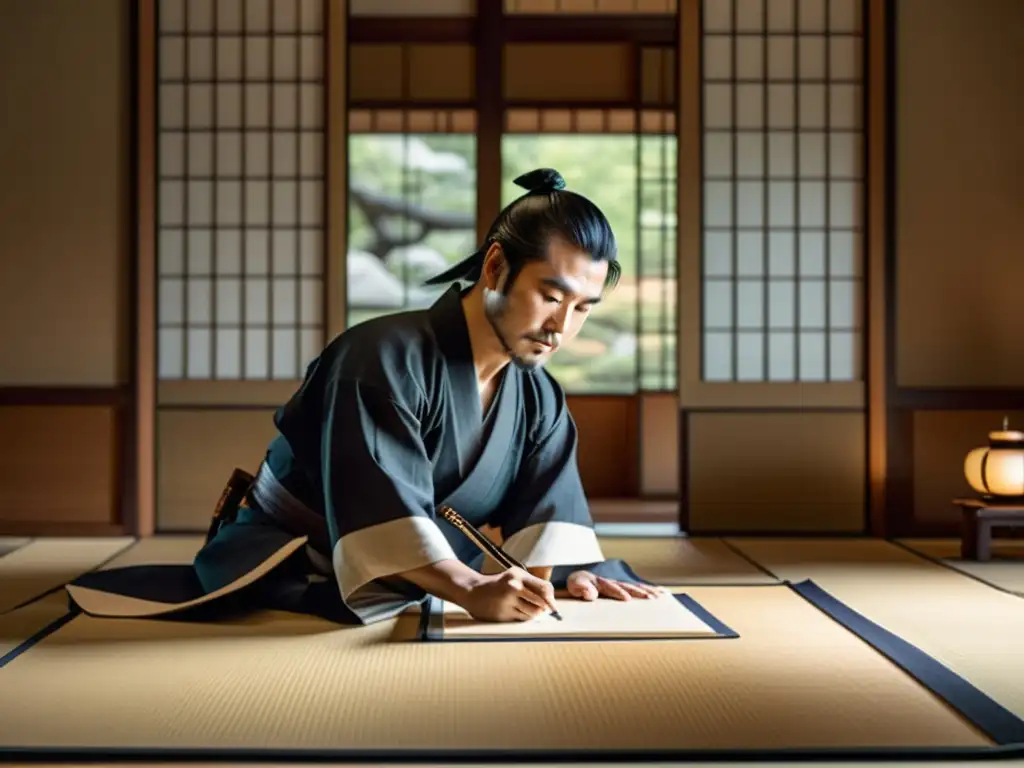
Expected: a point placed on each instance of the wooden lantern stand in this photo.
(980, 516)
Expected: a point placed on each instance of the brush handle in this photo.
(484, 543)
(488, 546)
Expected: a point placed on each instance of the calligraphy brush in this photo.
(485, 544)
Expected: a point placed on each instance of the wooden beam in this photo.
(945, 399)
(335, 35)
(647, 30)
(408, 105)
(559, 104)
(138, 511)
(878, 270)
(490, 82)
(411, 29)
(689, 217)
(632, 103)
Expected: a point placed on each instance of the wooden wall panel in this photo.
(960, 233)
(58, 469)
(792, 472)
(608, 447)
(423, 72)
(442, 72)
(64, 213)
(569, 72)
(375, 72)
(658, 76)
(196, 452)
(659, 445)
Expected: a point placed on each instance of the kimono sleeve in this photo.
(378, 499)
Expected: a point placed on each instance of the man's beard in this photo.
(495, 305)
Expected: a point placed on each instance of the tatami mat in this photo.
(793, 679)
(944, 762)
(19, 625)
(1004, 571)
(659, 559)
(10, 543)
(681, 560)
(46, 563)
(968, 626)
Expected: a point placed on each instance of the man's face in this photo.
(547, 304)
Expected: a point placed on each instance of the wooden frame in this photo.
(639, 29)
(217, 395)
(143, 315)
(336, 97)
(690, 202)
(488, 32)
(867, 395)
(879, 337)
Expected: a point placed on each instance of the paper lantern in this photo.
(998, 469)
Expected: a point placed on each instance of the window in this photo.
(783, 179)
(628, 343)
(241, 187)
(411, 214)
(412, 205)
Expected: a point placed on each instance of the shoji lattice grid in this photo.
(241, 188)
(657, 308)
(783, 181)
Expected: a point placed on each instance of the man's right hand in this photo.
(513, 595)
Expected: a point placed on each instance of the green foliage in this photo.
(399, 165)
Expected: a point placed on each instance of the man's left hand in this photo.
(588, 586)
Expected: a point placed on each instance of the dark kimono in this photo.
(386, 428)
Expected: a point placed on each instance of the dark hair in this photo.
(527, 224)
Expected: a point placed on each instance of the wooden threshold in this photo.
(634, 510)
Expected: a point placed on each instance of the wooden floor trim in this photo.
(39, 528)
(48, 395)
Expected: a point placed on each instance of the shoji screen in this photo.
(771, 370)
(242, 228)
(241, 215)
